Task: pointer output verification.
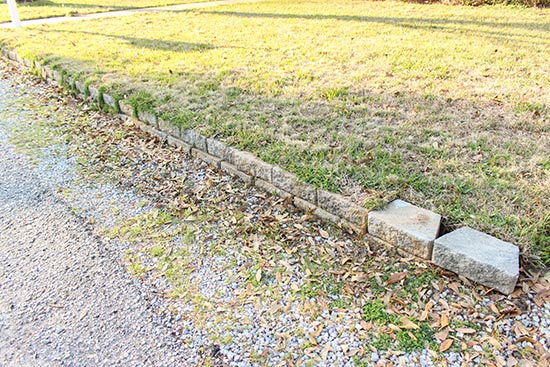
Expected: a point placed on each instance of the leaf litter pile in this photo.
(249, 280)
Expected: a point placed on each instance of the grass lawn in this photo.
(443, 106)
(55, 8)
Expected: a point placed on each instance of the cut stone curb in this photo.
(342, 207)
(479, 257)
(290, 183)
(406, 226)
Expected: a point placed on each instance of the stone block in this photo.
(12, 55)
(194, 139)
(147, 117)
(406, 226)
(290, 183)
(233, 171)
(479, 257)
(49, 72)
(169, 128)
(58, 77)
(250, 164)
(94, 92)
(210, 159)
(217, 148)
(126, 108)
(318, 212)
(270, 188)
(81, 87)
(342, 207)
(178, 143)
(110, 101)
(27, 63)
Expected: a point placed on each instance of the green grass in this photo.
(454, 116)
(56, 8)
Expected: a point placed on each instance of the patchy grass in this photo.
(57, 8)
(454, 116)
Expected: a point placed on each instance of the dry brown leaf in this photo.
(494, 308)
(324, 352)
(426, 311)
(466, 330)
(396, 277)
(442, 335)
(318, 330)
(259, 275)
(444, 321)
(323, 233)
(408, 324)
(445, 345)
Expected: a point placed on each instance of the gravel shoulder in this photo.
(116, 249)
(64, 299)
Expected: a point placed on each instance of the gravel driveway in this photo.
(64, 299)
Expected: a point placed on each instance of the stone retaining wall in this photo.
(402, 225)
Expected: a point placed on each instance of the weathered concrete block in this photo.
(27, 63)
(479, 257)
(81, 87)
(151, 130)
(194, 139)
(110, 101)
(233, 171)
(178, 143)
(250, 164)
(210, 159)
(94, 92)
(148, 117)
(342, 207)
(12, 55)
(217, 148)
(169, 128)
(270, 188)
(126, 108)
(406, 226)
(290, 183)
(58, 77)
(318, 212)
(49, 72)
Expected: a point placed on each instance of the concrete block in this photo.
(406, 226)
(210, 159)
(318, 212)
(81, 87)
(270, 188)
(342, 207)
(217, 148)
(178, 143)
(249, 164)
(169, 128)
(193, 138)
(233, 171)
(148, 117)
(126, 108)
(94, 92)
(58, 77)
(290, 183)
(479, 257)
(110, 101)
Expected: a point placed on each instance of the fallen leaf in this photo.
(442, 335)
(324, 352)
(444, 321)
(396, 277)
(426, 311)
(466, 330)
(318, 331)
(323, 233)
(408, 324)
(259, 275)
(445, 345)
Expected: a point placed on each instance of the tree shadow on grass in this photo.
(417, 23)
(149, 43)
